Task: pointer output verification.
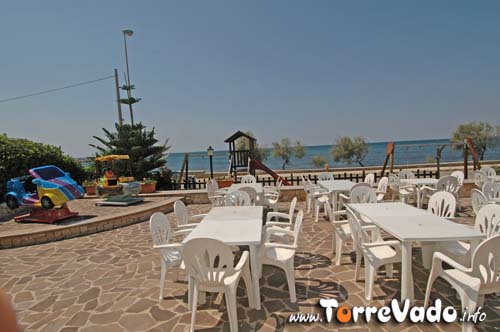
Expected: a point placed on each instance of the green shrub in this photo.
(18, 155)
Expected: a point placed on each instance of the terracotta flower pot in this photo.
(148, 188)
(224, 183)
(90, 190)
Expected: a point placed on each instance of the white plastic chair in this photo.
(478, 200)
(480, 178)
(215, 195)
(183, 218)
(342, 230)
(271, 198)
(273, 189)
(460, 180)
(325, 176)
(252, 193)
(491, 191)
(375, 251)
(405, 192)
(473, 283)
(248, 179)
(282, 254)
(446, 183)
(487, 222)
(442, 204)
(490, 171)
(210, 266)
(237, 198)
(287, 217)
(406, 174)
(382, 189)
(370, 179)
(161, 235)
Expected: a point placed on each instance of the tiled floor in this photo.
(110, 282)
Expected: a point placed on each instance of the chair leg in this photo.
(389, 270)
(316, 212)
(470, 300)
(359, 257)
(247, 279)
(230, 295)
(432, 277)
(194, 304)
(290, 277)
(163, 272)
(370, 272)
(338, 250)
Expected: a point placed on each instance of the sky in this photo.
(308, 70)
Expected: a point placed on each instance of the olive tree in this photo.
(482, 134)
(350, 150)
(319, 161)
(285, 150)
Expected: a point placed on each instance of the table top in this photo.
(237, 186)
(495, 178)
(420, 181)
(337, 185)
(408, 223)
(233, 225)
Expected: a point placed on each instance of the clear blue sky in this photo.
(308, 70)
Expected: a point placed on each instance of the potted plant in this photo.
(225, 181)
(148, 186)
(89, 187)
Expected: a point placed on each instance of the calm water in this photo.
(405, 152)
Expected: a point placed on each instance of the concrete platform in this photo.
(91, 219)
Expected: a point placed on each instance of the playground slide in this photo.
(259, 165)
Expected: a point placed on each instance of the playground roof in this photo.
(113, 157)
(237, 135)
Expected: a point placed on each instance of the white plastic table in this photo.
(419, 183)
(495, 178)
(235, 226)
(409, 224)
(335, 187)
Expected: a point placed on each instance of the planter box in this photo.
(90, 190)
(224, 183)
(148, 188)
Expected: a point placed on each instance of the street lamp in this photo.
(210, 152)
(128, 87)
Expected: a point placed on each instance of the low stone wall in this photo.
(94, 225)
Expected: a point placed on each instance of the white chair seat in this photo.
(460, 279)
(455, 249)
(383, 253)
(280, 254)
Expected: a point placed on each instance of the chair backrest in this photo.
(478, 200)
(490, 171)
(370, 179)
(181, 213)
(359, 236)
(291, 210)
(159, 228)
(486, 264)
(325, 176)
(488, 220)
(248, 179)
(208, 261)
(406, 174)
(212, 187)
(489, 190)
(460, 177)
(394, 182)
(363, 194)
(251, 192)
(237, 198)
(297, 227)
(480, 178)
(442, 204)
(448, 183)
(382, 185)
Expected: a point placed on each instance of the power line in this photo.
(56, 89)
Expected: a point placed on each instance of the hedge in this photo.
(18, 155)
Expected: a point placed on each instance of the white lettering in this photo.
(328, 304)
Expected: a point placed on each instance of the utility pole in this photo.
(118, 102)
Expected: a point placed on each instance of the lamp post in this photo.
(210, 152)
(128, 87)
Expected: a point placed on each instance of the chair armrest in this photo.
(277, 224)
(185, 227)
(184, 231)
(215, 196)
(395, 243)
(409, 186)
(279, 245)
(243, 260)
(281, 215)
(344, 197)
(277, 230)
(198, 216)
(168, 246)
(439, 258)
(271, 194)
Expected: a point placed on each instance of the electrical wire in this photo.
(56, 89)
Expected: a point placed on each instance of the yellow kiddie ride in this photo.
(118, 189)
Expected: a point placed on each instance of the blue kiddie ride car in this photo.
(53, 187)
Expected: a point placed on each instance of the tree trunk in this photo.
(361, 164)
(283, 167)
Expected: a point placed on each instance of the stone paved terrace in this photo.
(109, 281)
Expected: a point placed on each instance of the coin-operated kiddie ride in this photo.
(46, 189)
(117, 190)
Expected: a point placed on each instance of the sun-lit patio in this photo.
(110, 282)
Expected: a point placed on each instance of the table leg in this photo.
(419, 203)
(406, 272)
(255, 269)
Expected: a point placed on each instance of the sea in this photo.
(405, 153)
